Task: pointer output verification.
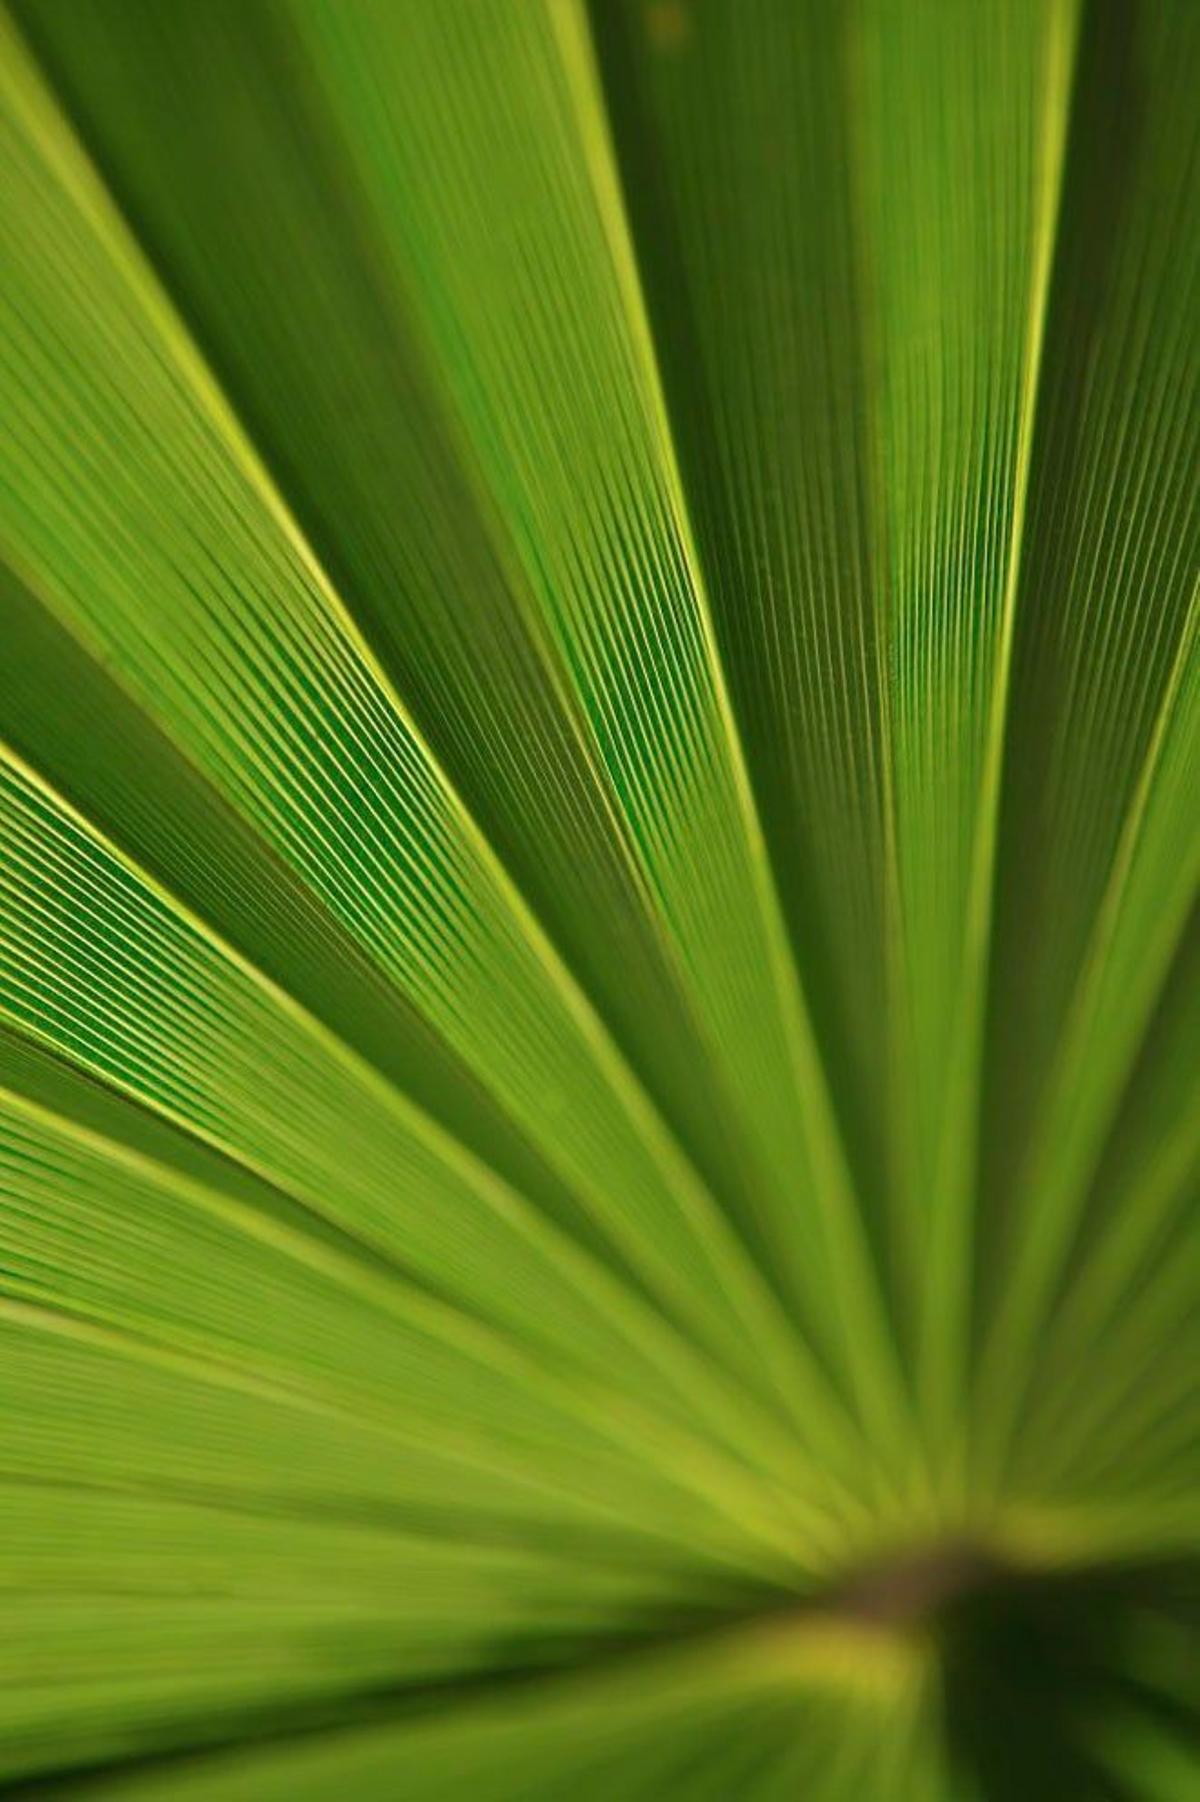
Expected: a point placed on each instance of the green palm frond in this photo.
(599, 949)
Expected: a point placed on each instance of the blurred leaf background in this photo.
(599, 960)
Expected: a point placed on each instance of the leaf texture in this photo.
(599, 969)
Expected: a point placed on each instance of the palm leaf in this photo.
(599, 1035)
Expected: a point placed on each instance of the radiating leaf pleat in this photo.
(542, 343)
(549, 594)
(147, 1620)
(847, 218)
(1100, 850)
(204, 598)
(735, 134)
(962, 122)
(98, 964)
(316, 344)
(67, 716)
(1127, 1307)
(750, 1710)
